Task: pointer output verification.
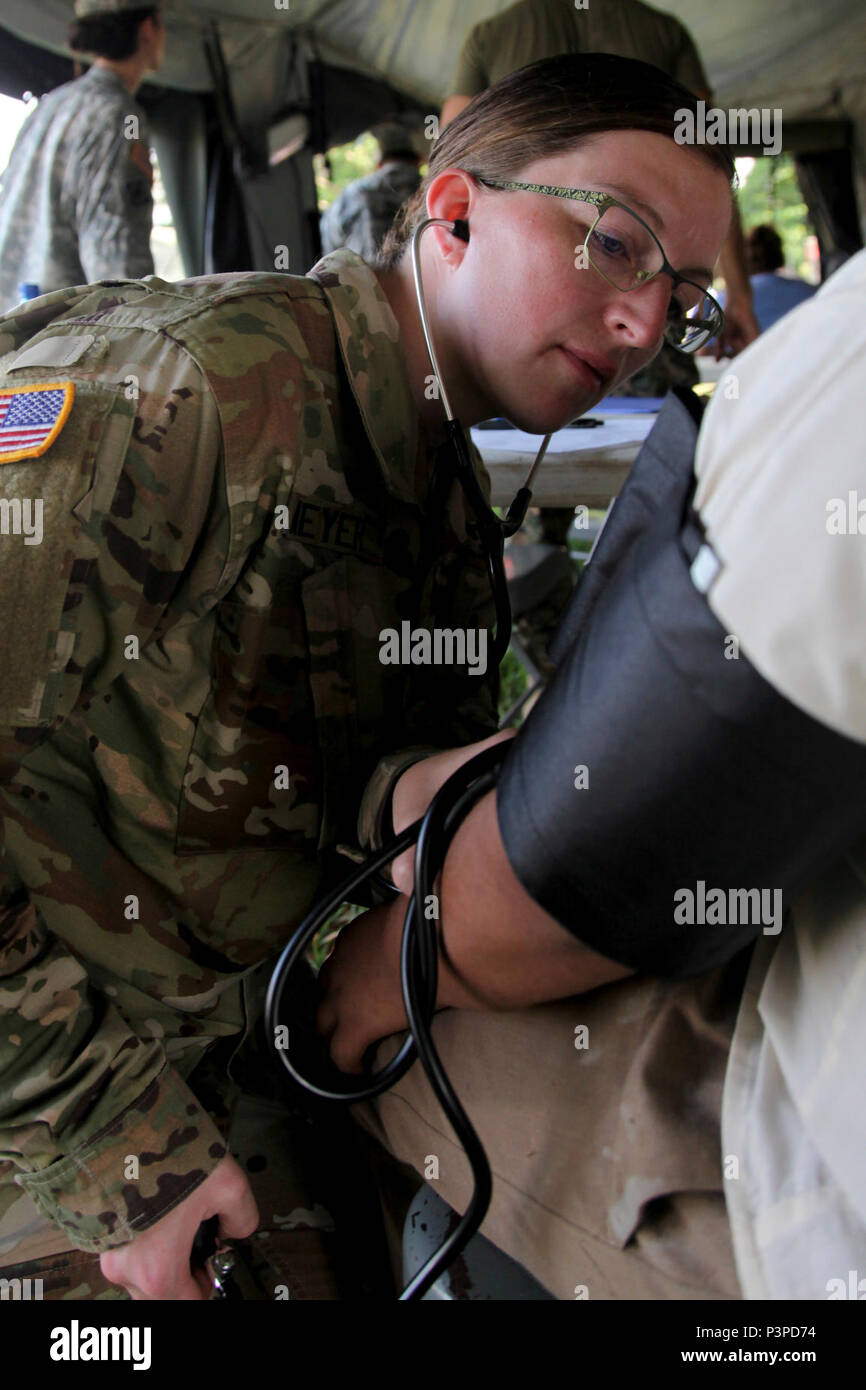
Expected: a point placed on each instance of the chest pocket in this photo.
(51, 511)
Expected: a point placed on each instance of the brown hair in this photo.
(113, 35)
(546, 107)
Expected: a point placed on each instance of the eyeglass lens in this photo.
(622, 249)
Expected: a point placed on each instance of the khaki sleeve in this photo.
(471, 75)
(80, 1092)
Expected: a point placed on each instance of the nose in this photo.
(638, 317)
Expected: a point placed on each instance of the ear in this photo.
(452, 195)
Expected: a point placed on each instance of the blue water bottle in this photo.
(28, 290)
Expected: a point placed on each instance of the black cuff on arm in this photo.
(699, 776)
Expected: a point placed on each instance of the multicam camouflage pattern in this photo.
(75, 198)
(191, 697)
(360, 217)
(315, 1238)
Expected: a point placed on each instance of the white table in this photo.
(588, 466)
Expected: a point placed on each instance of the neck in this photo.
(129, 70)
(398, 285)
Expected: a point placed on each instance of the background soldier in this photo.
(75, 201)
(362, 214)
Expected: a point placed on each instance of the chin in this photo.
(552, 419)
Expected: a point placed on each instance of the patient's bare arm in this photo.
(500, 950)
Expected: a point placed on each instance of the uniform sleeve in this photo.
(114, 207)
(470, 75)
(80, 1092)
(448, 705)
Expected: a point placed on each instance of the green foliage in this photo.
(513, 680)
(348, 162)
(770, 193)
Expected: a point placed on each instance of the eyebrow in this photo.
(651, 215)
(629, 196)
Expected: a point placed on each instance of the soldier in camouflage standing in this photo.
(361, 215)
(75, 198)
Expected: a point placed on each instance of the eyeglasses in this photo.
(627, 254)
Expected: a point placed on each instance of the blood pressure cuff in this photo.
(663, 801)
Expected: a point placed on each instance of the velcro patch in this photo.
(31, 418)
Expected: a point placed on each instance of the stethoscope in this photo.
(432, 836)
(493, 531)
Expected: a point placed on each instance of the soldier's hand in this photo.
(156, 1264)
(417, 788)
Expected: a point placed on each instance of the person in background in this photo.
(773, 295)
(361, 215)
(75, 199)
(533, 29)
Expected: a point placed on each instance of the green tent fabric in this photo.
(807, 59)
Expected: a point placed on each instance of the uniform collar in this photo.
(108, 78)
(372, 352)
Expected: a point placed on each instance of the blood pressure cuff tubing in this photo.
(659, 768)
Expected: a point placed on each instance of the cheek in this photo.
(531, 296)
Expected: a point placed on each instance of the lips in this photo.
(601, 367)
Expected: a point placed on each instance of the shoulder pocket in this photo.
(51, 508)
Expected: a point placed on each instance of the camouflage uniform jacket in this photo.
(75, 199)
(191, 698)
(361, 216)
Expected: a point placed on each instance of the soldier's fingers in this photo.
(239, 1215)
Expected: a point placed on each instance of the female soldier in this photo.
(249, 486)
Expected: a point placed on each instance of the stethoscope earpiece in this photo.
(461, 228)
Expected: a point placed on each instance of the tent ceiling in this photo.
(808, 58)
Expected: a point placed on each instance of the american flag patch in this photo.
(31, 417)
